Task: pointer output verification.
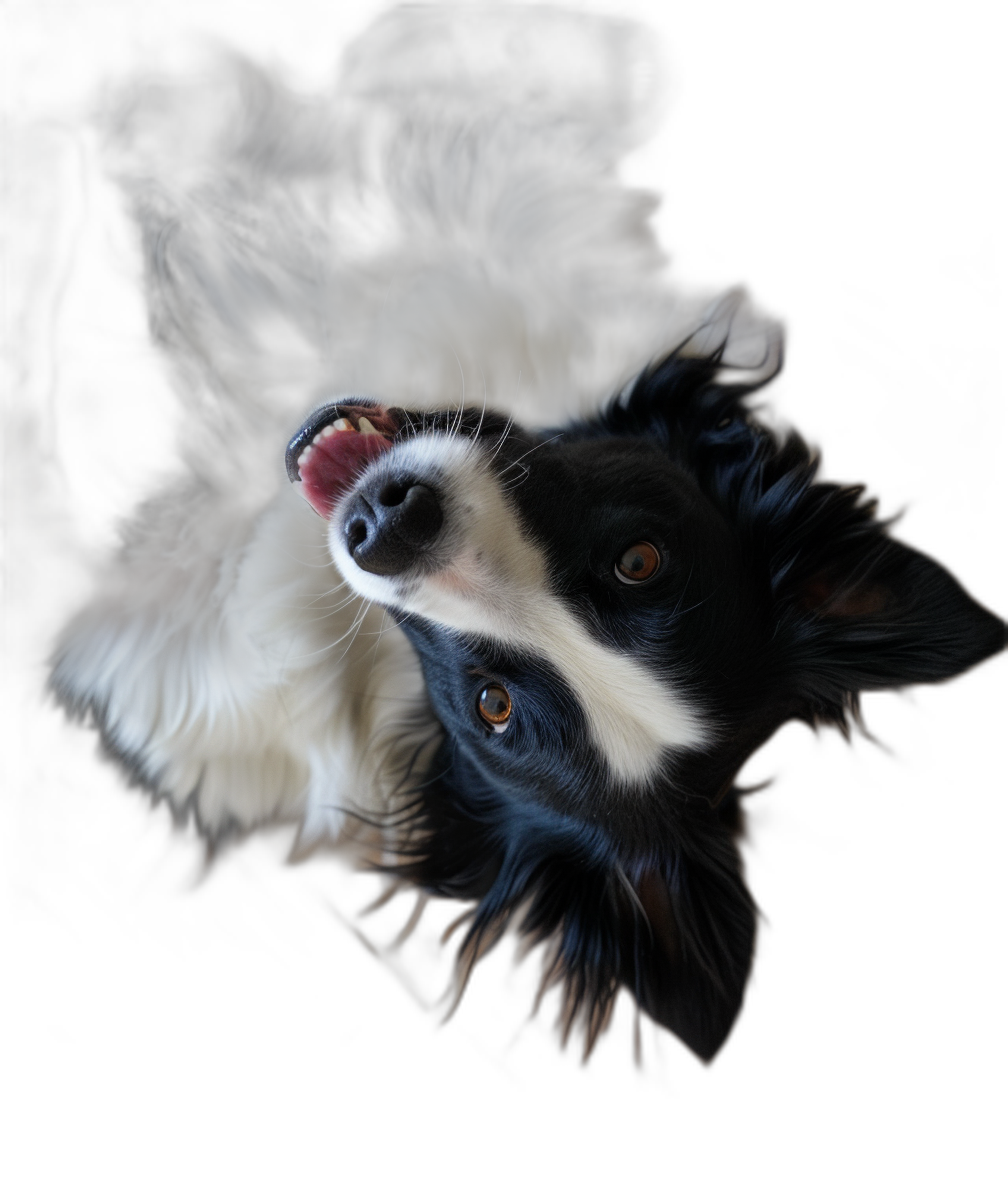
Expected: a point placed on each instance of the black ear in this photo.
(858, 610)
(677, 930)
(688, 949)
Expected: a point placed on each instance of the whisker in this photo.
(354, 627)
(381, 630)
(507, 426)
(483, 411)
(454, 430)
(541, 444)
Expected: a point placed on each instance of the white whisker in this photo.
(541, 444)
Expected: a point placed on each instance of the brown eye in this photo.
(638, 563)
(494, 705)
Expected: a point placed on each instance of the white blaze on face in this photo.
(494, 583)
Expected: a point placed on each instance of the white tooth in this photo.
(344, 425)
(326, 431)
(366, 427)
(317, 437)
(304, 456)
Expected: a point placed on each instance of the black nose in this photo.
(389, 523)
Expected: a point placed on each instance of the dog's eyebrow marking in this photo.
(496, 586)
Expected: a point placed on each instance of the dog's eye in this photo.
(494, 706)
(638, 563)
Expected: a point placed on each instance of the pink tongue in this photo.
(333, 465)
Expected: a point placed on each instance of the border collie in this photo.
(529, 642)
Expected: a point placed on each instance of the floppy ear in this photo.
(688, 950)
(878, 615)
(678, 932)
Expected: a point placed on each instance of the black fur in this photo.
(780, 598)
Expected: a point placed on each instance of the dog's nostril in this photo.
(389, 525)
(394, 493)
(421, 517)
(356, 532)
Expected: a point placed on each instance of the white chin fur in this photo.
(495, 584)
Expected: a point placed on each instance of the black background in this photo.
(843, 167)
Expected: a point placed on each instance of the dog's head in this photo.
(611, 618)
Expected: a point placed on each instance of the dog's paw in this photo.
(607, 78)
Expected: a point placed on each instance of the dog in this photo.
(523, 641)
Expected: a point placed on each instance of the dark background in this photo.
(841, 166)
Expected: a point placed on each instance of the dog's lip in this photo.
(335, 445)
(385, 421)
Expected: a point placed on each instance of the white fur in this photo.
(247, 677)
(447, 225)
(438, 46)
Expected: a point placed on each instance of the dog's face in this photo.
(611, 618)
(583, 584)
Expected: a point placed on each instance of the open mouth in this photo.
(335, 445)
